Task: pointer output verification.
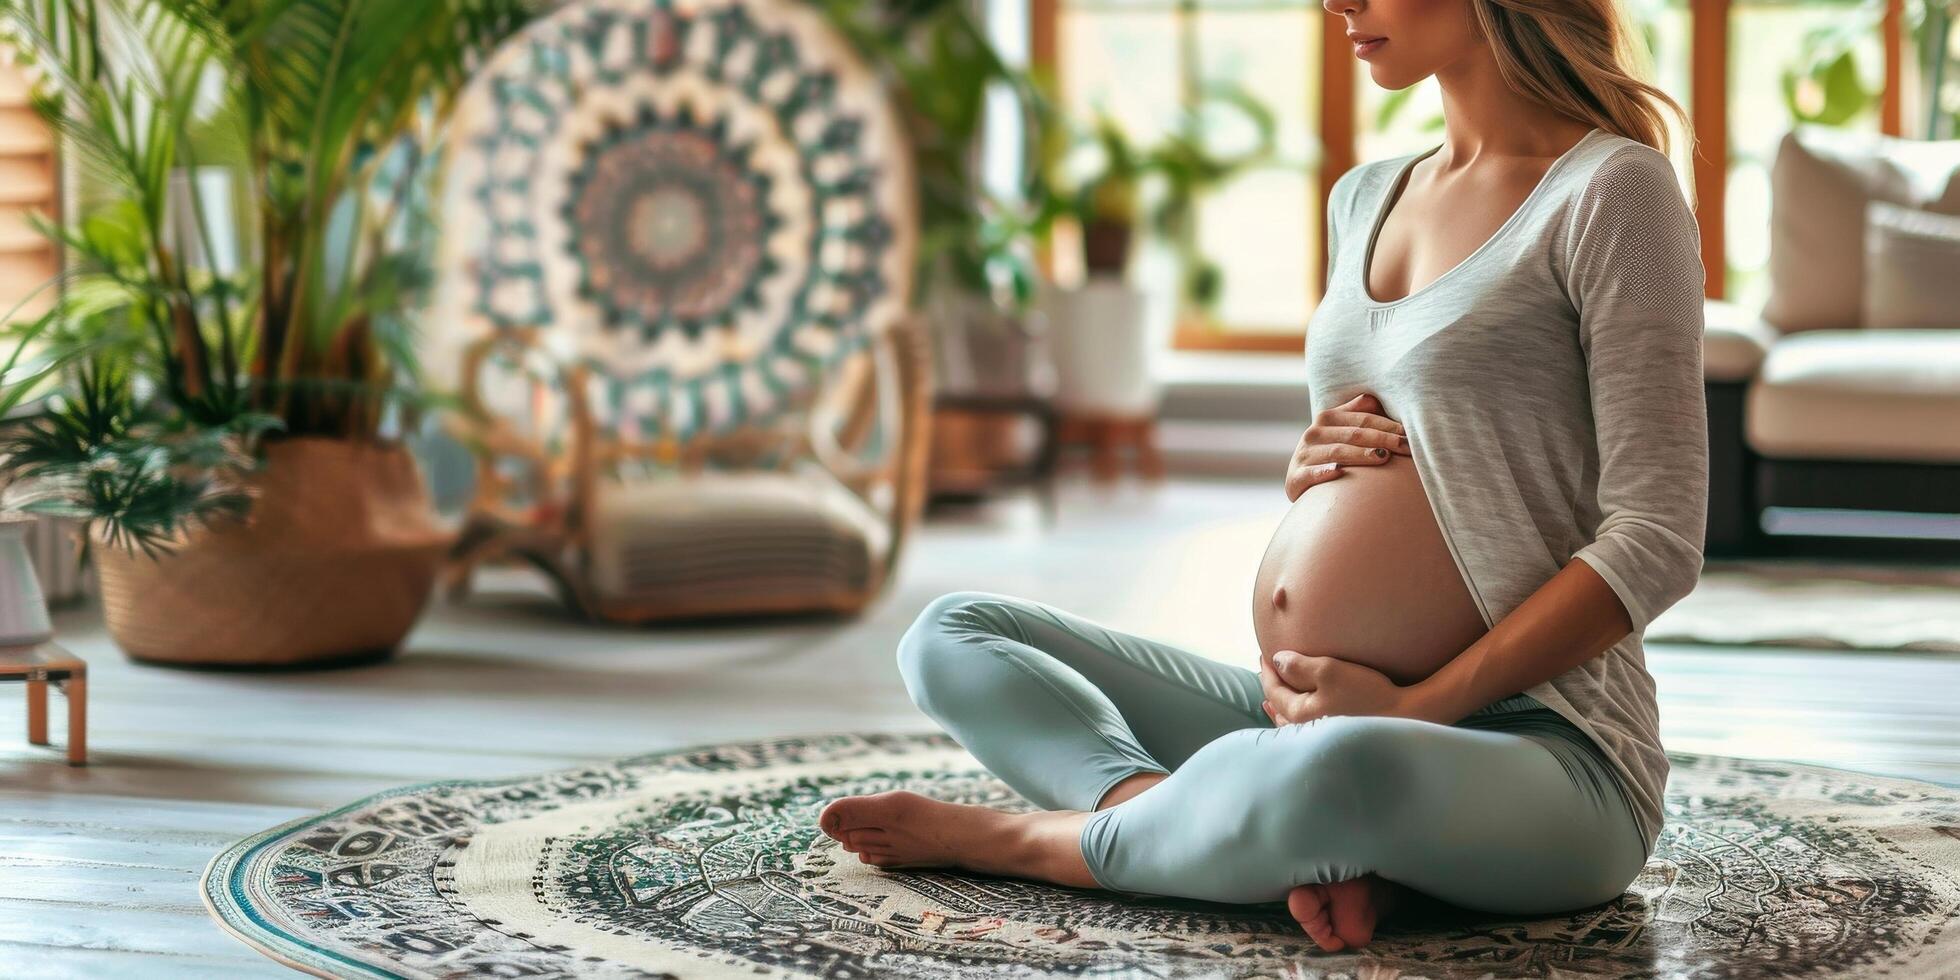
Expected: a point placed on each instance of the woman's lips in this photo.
(1365, 45)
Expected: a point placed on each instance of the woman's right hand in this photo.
(1353, 433)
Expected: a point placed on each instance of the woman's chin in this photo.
(1394, 78)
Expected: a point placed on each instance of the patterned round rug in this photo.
(707, 862)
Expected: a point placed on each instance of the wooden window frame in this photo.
(41, 155)
(1708, 110)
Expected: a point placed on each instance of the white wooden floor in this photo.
(98, 867)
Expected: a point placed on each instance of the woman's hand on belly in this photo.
(1300, 688)
(1353, 433)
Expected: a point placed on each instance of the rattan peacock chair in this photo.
(674, 292)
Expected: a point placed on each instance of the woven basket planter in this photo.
(335, 564)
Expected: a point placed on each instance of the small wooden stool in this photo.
(1107, 435)
(973, 454)
(42, 664)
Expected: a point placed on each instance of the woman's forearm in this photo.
(1574, 617)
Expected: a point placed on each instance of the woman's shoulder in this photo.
(1367, 173)
(1619, 190)
(1628, 229)
(1360, 184)
(1619, 172)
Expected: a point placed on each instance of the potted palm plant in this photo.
(224, 393)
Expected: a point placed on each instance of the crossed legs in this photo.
(1212, 802)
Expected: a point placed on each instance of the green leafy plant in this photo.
(160, 370)
(1823, 83)
(938, 64)
(1173, 175)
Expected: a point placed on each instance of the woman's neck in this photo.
(1484, 117)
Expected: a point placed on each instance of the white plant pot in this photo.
(23, 609)
(53, 545)
(1097, 338)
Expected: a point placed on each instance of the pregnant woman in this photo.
(1504, 481)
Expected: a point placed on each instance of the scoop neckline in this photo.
(1388, 196)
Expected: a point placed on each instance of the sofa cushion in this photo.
(1860, 395)
(1912, 268)
(1733, 341)
(1819, 186)
(725, 536)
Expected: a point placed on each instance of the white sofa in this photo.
(1843, 391)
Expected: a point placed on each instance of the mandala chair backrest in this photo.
(706, 203)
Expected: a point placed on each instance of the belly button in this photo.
(1279, 597)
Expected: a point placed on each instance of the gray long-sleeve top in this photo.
(1551, 388)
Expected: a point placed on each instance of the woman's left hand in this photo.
(1300, 688)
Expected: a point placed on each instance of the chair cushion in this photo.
(1819, 186)
(726, 536)
(1891, 395)
(1911, 260)
(1733, 342)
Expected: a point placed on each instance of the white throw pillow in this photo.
(1912, 268)
(1820, 184)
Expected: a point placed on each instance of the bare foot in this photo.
(906, 830)
(1342, 914)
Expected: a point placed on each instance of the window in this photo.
(1821, 59)
(1142, 61)
(1764, 65)
(1264, 228)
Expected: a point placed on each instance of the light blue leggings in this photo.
(1510, 810)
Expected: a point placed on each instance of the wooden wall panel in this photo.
(1708, 104)
(28, 185)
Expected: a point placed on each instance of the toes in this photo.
(846, 814)
(1305, 902)
(831, 819)
(1352, 905)
(859, 812)
(1308, 905)
(859, 840)
(1321, 931)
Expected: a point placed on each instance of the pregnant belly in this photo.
(1358, 570)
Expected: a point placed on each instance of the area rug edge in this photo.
(216, 885)
(219, 883)
(218, 895)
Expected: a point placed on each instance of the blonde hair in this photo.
(1581, 58)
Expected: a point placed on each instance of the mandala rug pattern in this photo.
(707, 862)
